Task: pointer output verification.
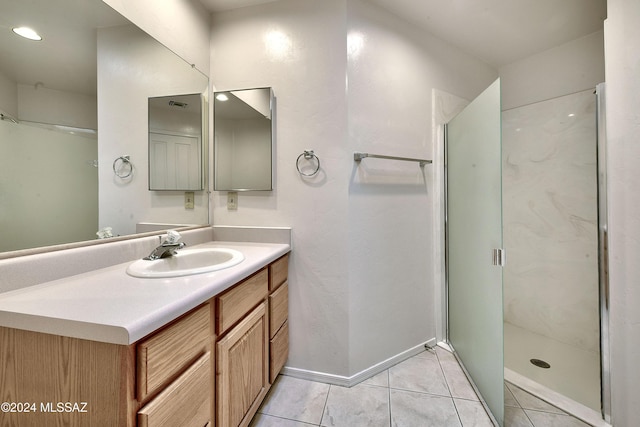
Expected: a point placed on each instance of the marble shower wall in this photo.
(550, 219)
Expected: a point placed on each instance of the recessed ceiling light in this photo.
(222, 97)
(27, 33)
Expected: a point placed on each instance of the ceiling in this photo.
(498, 32)
(66, 57)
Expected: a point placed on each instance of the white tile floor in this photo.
(522, 409)
(429, 389)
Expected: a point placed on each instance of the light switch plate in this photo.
(188, 199)
(232, 200)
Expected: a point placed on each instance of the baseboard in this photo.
(345, 381)
(445, 345)
(556, 399)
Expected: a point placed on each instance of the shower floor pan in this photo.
(573, 377)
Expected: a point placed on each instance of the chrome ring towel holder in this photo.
(308, 155)
(125, 163)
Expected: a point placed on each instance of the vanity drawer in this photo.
(186, 402)
(166, 353)
(278, 271)
(278, 308)
(235, 303)
(278, 351)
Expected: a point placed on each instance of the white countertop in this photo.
(110, 306)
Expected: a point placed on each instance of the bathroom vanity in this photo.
(107, 349)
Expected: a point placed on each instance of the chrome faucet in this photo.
(167, 248)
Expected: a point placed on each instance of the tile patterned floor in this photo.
(522, 409)
(429, 389)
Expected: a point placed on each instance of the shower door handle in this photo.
(499, 257)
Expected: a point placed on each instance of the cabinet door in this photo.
(243, 369)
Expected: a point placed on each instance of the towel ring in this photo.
(309, 155)
(125, 160)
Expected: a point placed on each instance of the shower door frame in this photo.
(603, 252)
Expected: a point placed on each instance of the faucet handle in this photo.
(173, 237)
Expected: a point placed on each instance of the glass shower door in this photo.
(474, 231)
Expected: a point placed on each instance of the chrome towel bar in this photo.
(359, 156)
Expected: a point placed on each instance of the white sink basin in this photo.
(186, 262)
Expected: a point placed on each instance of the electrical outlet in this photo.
(232, 200)
(188, 199)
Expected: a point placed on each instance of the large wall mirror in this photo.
(73, 104)
(243, 139)
(175, 142)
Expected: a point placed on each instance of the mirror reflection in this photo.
(243, 139)
(66, 121)
(175, 142)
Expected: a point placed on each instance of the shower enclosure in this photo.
(551, 280)
(48, 185)
(548, 301)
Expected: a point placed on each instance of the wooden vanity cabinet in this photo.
(212, 366)
(252, 344)
(40, 373)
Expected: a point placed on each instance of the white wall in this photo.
(622, 50)
(9, 96)
(392, 69)
(181, 25)
(131, 68)
(572, 67)
(361, 274)
(43, 105)
(298, 48)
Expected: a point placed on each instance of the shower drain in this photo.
(540, 363)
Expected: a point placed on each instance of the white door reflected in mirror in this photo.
(175, 142)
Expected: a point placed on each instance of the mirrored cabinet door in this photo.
(243, 139)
